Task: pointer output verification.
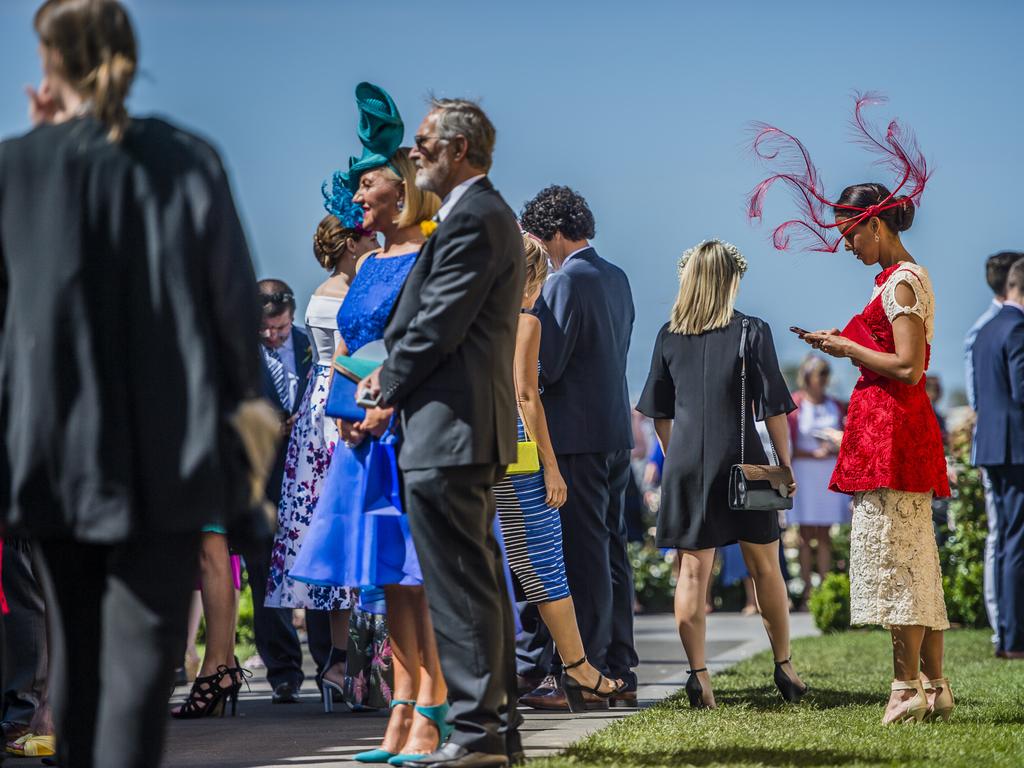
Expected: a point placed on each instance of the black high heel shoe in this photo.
(239, 675)
(331, 692)
(207, 697)
(694, 690)
(574, 689)
(790, 691)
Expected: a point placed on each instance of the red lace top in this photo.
(892, 437)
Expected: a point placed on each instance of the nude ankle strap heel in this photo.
(915, 708)
(943, 705)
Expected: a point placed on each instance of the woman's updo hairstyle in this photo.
(536, 264)
(330, 241)
(862, 196)
(90, 43)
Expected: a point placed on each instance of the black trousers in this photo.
(597, 567)
(1008, 495)
(22, 635)
(117, 614)
(276, 639)
(451, 514)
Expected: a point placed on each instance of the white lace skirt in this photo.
(895, 577)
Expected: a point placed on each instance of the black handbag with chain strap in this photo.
(755, 487)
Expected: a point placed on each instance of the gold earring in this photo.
(876, 237)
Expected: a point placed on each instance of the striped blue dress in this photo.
(533, 535)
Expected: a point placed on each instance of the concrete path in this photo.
(264, 735)
(278, 736)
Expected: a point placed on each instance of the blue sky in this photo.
(640, 106)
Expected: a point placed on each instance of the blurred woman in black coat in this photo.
(129, 338)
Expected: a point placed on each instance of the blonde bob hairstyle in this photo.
(419, 205)
(536, 264)
(709, 279)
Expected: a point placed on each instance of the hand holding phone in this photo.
(366, 399)
(798, 330)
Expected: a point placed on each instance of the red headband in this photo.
(898, 151)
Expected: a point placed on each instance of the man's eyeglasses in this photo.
(421, 141)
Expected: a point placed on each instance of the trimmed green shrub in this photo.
(830, 603)
(654, 579)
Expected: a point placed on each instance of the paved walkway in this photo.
(278, 736)
(265, 735)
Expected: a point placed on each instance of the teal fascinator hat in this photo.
(380, 132)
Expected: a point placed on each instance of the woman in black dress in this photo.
(693, 394)
(130, 338)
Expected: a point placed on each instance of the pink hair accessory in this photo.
(897, 150)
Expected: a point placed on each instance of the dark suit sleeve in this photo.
(1015, 362)
(451, 296)
(559, 315)
(232, 291)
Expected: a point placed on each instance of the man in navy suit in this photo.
(586, 313)
(999, 447)
(287, 357)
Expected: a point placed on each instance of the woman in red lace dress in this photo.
(892, 459)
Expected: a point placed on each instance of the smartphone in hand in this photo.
(366, 401)
(798, 331)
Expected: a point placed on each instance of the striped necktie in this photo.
(280, 376)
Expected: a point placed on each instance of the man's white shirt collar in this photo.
(455, 195)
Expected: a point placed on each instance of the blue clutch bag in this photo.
(341, 399)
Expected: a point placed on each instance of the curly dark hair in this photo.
(558, 209)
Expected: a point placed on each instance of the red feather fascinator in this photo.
(783, 153)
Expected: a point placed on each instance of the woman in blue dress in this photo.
(347, 543)
(528, 509)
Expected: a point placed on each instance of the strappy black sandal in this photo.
(790, 691)
(574, 689)
(694, 690)
(208, 697)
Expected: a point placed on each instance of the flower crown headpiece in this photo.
(733, 252)
(338, 201)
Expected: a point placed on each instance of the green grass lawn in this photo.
(839, 721)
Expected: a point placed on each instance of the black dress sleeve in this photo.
(768, 386)
(658, 400)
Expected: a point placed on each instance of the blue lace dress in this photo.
(347, 545)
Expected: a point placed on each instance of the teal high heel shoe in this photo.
(438, 715)
(382, 755)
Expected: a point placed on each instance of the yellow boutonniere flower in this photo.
(428, 227)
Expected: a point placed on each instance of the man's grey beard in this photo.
(432, 180)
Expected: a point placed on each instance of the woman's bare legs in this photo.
(220, 606)
(195, 615)
(751, 597)
(824, 550)
(763, 563)
(339, 639)
(932, 649)
(405, 655)
(560, 618)
(424, 735)
(691, 593)
(906, 662)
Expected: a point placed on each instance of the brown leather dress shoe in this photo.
(554, 700)
(527, 685)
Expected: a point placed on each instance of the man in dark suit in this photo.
(999, 448)
(451, 341)
(287, 357)
(586, 312)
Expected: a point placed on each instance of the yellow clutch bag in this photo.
(527, 459)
